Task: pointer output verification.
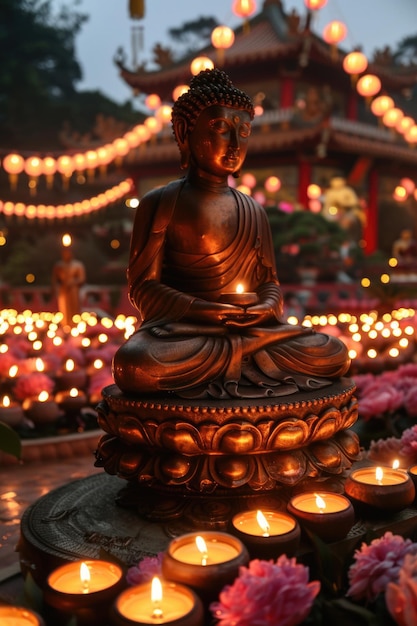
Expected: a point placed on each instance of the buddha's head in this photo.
(211, 108)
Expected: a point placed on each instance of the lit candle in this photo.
(330, 516)
(84, 589)
(267, 532)
(19, 616)
(382, 488)
(11, 413)
(157, 603)
(71, 376)
(41, 410)
(206, 565)
(71, 400)
(240, 297)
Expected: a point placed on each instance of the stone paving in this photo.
(20, 486)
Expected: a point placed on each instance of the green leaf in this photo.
(10, 441)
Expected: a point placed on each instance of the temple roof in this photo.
(273, 36)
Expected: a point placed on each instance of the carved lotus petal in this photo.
(350, 414)
(133, 430)
(107, 454)
(349, 443)
(237, 439)
(179, 436)
(287, 468)
(176, 469)
(107, 419)
(231, 471)
(327, 425)
(288, 434)
(326, 456)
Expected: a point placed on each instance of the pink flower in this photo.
(408, 443)
(401, 597)
(377, 564)
(146, 569)
(266, 594)
(383, 399)
(30, 385)
(385, 450)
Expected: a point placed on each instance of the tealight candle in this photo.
(328, 515)
(41, 410)
(71, 400)
(19, 616)
(382, 488)
(85, 589)
(205, 562)
(158, 603)
(413, 474)
(240, 297)
(71, 376)
(267, 533)
(11, 413)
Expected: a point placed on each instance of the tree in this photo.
(195, 34)
(39, 68)
(406, 52)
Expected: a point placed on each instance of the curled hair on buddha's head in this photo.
(209, 88)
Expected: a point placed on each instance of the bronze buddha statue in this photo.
(195, 240)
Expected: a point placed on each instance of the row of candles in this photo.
(45, 407)
(196, 566)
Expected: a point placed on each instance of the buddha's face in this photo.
(219, 141)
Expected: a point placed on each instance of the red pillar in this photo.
(352, 107)
(371, 228)
(287, 93)
(304, 179)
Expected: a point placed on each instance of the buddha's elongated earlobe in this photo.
(181, 135)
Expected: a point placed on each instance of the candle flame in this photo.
(39, 365)
(379, 474)
(69, 365)
(13, 371)
(6, 401)
(263, 523)
(43, 396)
(85, 577)
(395, 464)
(73, 392)
(320, 503)
(240, 288)
(156, 598)
(202, 548)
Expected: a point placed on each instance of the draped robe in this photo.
(168, 353)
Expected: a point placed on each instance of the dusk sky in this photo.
(371, 24)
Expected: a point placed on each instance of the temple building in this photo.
(313, 127)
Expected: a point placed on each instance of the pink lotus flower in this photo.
(377, 564)
(266, 594)
(401, 597)
(146, 569)
(408, 443)
(385, 450)
(30, 385)
(383, 399)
